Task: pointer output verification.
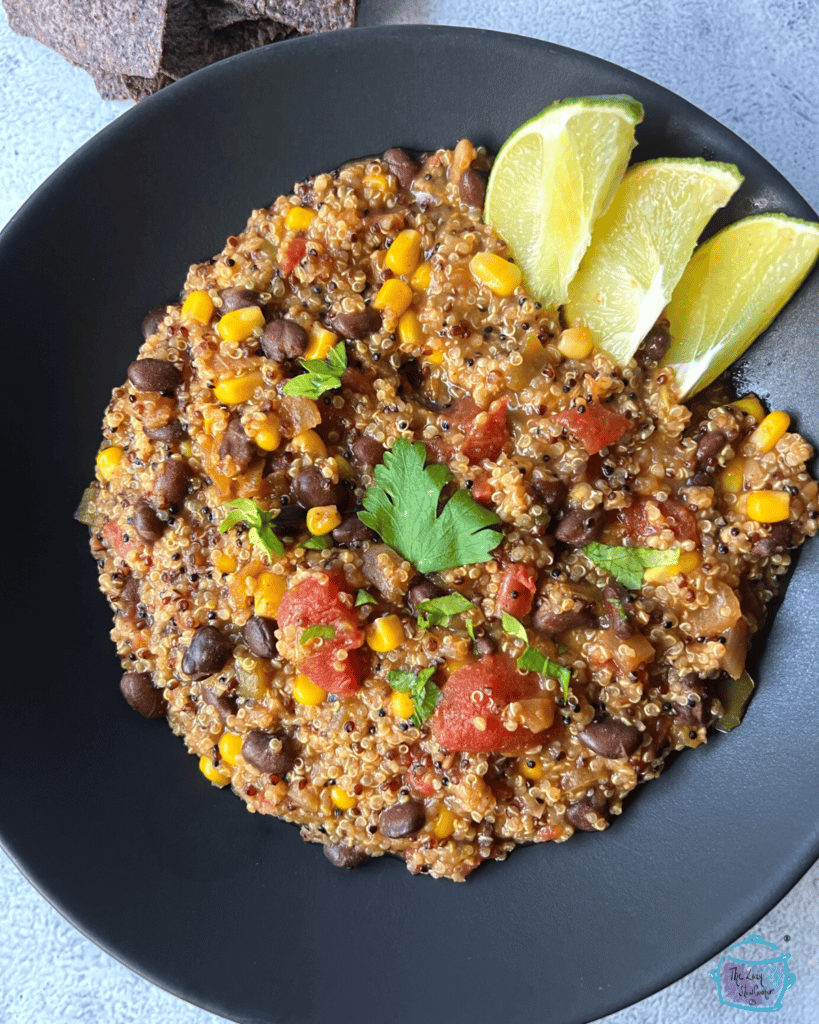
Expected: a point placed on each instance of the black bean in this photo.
(700, 480)
(578, 527)
(150, 325)
(776, 543)
(367, 450)
(168, 433)
(356, 325)
(259, 634)
(582, 813)
(139, 690)
(485, 644)
(425, 590)
(284, 339)
(129, 595)
(710, 445)
(402, 820)
(550, 492)
(171, 483)
(472, 187)
(208, 653)
(552, 622)
(401, 165)
(290, 521)
(237, 444)
(611, 738)
(147, 523)
(343, 856)
(379, 566)
(614, 608)
(654, 346)
(154, 375)
(312, 489)
(352, 533)
(223, 702)
(256, 751)
(237, 298)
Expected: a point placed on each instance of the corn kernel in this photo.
(770, 431)
(198, 306)
(404, 253)
(451, 665)
(267, 433)
(321, 341)
(532, 769)
(270, 588)
(499, 275)
(402, 705)
(239, 324)
(376, 180)
(394, 295)
(436, 358)
(768, 506)
(410, 332)
(224, 563)
(421, 278)
(306, 692)
(212, 773)
(732, 477)
(385, 634)
(230, 746)
(299, 218)
(751, 405)
(322, 519)
(576, 342)
(235, 390)
(689, 562)
(108, 460)
(341, 798)
(309, 443)
(444, 824)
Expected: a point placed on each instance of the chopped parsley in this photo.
(514, 627)
(317, 632)
(402, 508)
(533, 660)
(627, 565)
(420, 687)
(439, 611)
(322, 374)
(318, 543)
(259, 523)
(362, 597)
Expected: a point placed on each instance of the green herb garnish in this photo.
(533, 660)
(317, 632)
(734, 695)
(514, 627)
(420, 687)
(362, 597)
(259, 523)
(439, 611)
(470, 628)
(627, 565)
(322, 374)
(402, 508)
(319, 543)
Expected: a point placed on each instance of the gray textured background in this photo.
(752, 64)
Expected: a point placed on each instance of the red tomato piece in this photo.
(484, 440)
(517, 590)
(482, 490)
(293, 255)
(331, 674)
(677, 517)
(468, 716)
(596, 428)
(116, 540)
(315, 599)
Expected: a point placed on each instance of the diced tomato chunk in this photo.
(293, 255)
(315, 599)
(468, 717)
(482, 440)
(339, 676)
(595, 428)
(482, 490)
(639, 524)
(517, 590)
(116, 540)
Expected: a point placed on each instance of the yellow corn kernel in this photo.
(267, 433)
(385, 634)
(576, 342)
(421, 278)
(394, 295)
(341, 798)
(451, 665)
(309, 443)
(402, 705)
(306, 692)
(108, 460)
(322, 519)
(769, 431)
(532, 769)
(732, 477)
(404, 253)
(212, 773)
(768, 506)
(436, 358)
(410, 332)
(235, 390)
(230, 746)
(198, 306)
(376, 180)
(299, 218)
(321, 341)
(270, 588)
(444, 824)
(224, 563)
(751, 405)
(499, 275)
(239, 324)
(689, 562)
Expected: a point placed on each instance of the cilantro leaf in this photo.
(514, 627)
(439, 611)
(317, 543)
(401, 682)
(402, 508)
(470, 628)
(322, 374)
(319, 631)
(259, 523)
(533, 660)
(627, 565)
(362, 597)
(424, 692)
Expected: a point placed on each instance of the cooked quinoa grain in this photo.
(300, 656)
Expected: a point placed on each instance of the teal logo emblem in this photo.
(756, 980)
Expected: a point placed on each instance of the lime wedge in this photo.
(552, 179)
(640, 247)
(731, 290)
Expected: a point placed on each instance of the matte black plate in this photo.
(107, 814)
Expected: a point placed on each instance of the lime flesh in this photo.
(552, 179)
(734, 286)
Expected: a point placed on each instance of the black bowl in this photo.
(107, 814)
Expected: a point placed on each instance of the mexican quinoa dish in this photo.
(405, 562)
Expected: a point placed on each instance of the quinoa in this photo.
(210, 629)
